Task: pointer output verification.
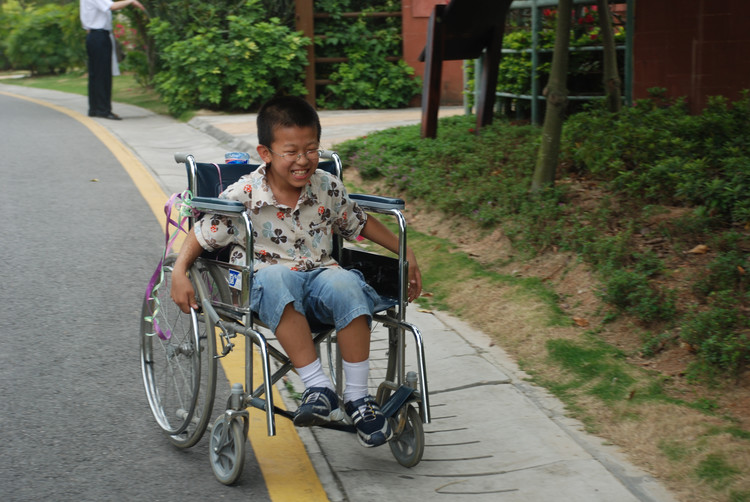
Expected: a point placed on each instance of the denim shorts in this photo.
(330, 296)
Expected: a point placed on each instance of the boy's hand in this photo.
(415, 277)
(183, 292)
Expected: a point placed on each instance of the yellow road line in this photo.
(282, 457)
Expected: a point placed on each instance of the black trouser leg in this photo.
(99, 50)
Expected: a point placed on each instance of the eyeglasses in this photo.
(294, 157)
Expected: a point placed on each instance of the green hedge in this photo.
(367, 79)
(653, 152)
(232, 68)
(47, 39)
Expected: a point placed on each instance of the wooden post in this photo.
(303, 10)
(433, 71)
(486, 104)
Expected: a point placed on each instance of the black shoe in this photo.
(373, 428)
(318, 407)
(110, 116)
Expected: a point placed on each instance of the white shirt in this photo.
(96, 14)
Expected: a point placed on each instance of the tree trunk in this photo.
(557, 99)
(611, 77)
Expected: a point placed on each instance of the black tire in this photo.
(408, 446)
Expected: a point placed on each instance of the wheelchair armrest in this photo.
(377, 201)
(213, 205)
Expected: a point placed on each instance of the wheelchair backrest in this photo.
(212, 179)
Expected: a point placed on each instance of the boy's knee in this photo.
(342, 281)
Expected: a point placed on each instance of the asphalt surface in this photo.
(493, 436)
(74, 423)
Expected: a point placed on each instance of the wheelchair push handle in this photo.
(181, 157)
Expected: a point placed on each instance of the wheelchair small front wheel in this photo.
(408, 444)
(227, 449)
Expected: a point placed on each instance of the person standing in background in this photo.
(96, 18)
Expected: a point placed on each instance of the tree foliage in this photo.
(232, 67)
(45, 39)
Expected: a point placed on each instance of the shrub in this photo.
(727, 272)
(232, 69)
(10, 14)
(632, 292)
(721, 334)
(368, 79)
(47, 39)
(365, 82)
(657, 153)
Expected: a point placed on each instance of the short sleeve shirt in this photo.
(300, 237)
(96, 14)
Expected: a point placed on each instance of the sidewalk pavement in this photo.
(494, 436)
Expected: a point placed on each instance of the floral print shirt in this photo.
(300, 237)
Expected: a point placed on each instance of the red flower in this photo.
(280, 215)
(321, 210)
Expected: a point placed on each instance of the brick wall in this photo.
(693, 48)
(415, 18)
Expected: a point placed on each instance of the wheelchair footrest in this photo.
(397, 400)
(340, 426)
(261, 404)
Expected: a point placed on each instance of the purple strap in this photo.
(157, 278)
(218, 170)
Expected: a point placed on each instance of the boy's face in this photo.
(286, 169)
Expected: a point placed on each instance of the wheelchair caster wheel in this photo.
(227, 449)
(407, 444)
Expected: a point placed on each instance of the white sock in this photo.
(312, 375)
(356, 380)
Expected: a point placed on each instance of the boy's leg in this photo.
(276, 291)
(293, 332)
(354, 344)
(342, 298)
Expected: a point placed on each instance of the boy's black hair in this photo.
(285, 111)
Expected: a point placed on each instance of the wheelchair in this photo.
(179, 352)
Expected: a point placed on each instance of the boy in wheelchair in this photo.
(295, 211)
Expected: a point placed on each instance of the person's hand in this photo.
(138, 5)
(183, 293)
(415, 277)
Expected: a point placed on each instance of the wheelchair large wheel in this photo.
(408, 445)
(178, 365)
(227, 449)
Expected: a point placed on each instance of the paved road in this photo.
(78, 247)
